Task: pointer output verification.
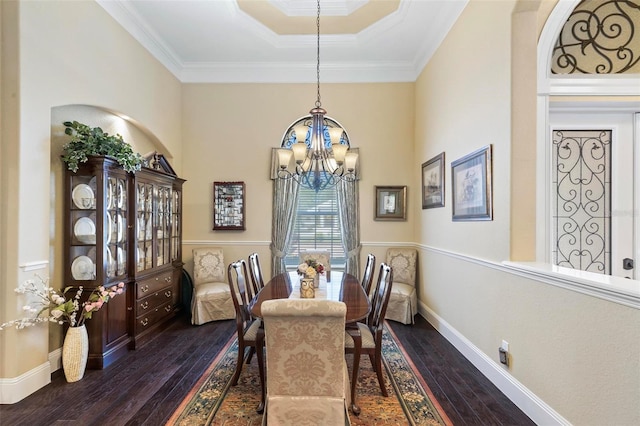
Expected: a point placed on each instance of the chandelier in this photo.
(318, 144)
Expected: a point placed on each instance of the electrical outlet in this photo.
(504, 356)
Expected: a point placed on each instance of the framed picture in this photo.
(391, 203)
(228, 205)
(433, 182)
(471, 183)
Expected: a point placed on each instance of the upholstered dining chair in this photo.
(248, 330)
(211, 299)
(307, 377)
(403, 303)
(256, 273)
(320, 256)
(371, 334)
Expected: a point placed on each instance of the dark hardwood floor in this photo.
(147, 385)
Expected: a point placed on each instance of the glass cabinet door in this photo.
(163, 232)
(116, 226)
(144, 226)
(82, 247)
(176, 207)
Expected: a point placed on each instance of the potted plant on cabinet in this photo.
(87, 141)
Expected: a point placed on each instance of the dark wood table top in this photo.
(342, 287)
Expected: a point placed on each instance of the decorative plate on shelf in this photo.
(83, 196)
(85, 230)
(121, 195)
(120, 226)
(120, 254)
(110, 195)
(109, 227)
(82, 268)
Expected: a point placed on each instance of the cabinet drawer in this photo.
(153, 284)
(154, 300)
(153, 316)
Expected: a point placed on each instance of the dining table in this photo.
(342, 287)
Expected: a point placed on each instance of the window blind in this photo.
(317, 226)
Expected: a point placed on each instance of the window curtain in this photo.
(285, 207)
(349, 214)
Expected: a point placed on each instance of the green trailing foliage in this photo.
(87, 141)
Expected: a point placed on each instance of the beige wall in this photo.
(561, 341)
(229, 130)
(89, 62)
(577, 353)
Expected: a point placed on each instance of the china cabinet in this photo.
(124, 227)
(158, 248)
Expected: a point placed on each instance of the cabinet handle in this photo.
(167, 308)
(167, 293)
(144, 322)
(157, 278)
(144, 305)
(145, 288)
(168, 279)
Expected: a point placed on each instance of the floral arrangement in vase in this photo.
(310, 268)
(51, 306)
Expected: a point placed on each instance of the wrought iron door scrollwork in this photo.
(599, 38)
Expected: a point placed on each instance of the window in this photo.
(317, 226)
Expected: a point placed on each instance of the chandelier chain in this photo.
(318, 103)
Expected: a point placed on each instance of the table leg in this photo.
(354, 332)
(261, 368)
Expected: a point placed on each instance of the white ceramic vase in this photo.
(75, 351)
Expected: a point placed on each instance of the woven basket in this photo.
(75, 351)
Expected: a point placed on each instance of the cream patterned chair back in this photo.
(211, 297)
(403, 304)
(320, 256)
(307, 378)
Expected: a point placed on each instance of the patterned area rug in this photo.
(213, 401)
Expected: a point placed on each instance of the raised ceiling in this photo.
(262, 41)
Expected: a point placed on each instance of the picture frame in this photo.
(433, 182)
(228, 206)
(391, 203)
(471, 182)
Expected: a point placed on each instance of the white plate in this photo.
(148, 229)
(120, 228)
(120, 260)
(111, 263)
(85, 230)
(83, 196)
(82, 268)
(110, 196)
(109, 227)
(121, 194)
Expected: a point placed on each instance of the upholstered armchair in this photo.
(307, 377)
(211, 296)
(403, 302)
(323, 257)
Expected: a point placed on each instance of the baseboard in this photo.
(16, 389)
(523, 398)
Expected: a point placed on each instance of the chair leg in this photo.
(236, 375)
(260, 355)
(377, 365)
(357, 349)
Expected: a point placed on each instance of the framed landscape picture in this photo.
(391, 203)
(433, 182)
(471, 184)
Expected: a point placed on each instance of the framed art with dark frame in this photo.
(433, 182)
(391, 203)
(228, 206)
(471, 184)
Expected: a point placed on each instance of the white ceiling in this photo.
(218, 41)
